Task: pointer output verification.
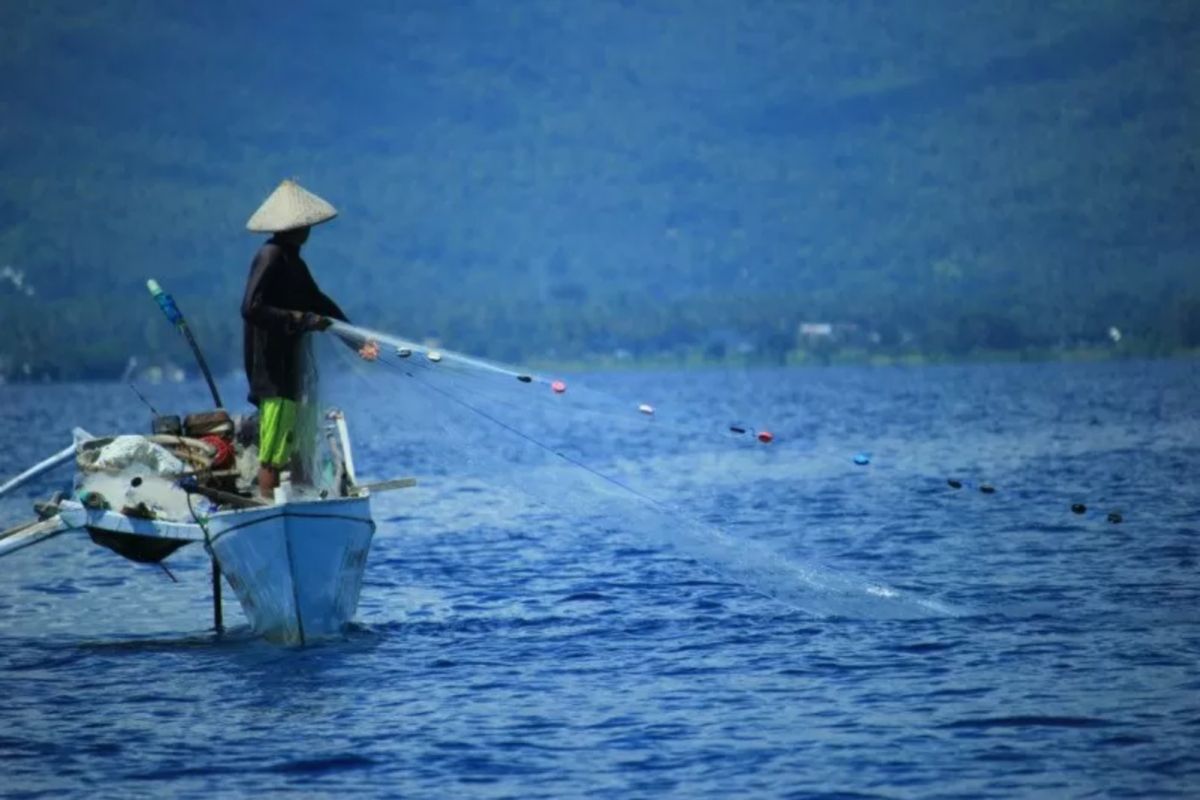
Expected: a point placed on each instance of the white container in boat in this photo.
(283, 492)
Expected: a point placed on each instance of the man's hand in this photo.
(308, 321)
(369, 351)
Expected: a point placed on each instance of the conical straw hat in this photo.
(290, 206)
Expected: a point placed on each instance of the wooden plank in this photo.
(385, 486)
(229, 498)
(25, 535)
(18, 528)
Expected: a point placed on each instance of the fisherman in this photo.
(281, 304)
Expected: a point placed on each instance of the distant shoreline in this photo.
(865, 359)
(844, 358)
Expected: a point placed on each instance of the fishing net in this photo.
(315, 460)
(622, 466)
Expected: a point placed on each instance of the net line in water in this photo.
(603, 459)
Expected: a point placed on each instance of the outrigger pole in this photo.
(167, 304)
(64, 455)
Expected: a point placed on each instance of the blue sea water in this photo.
(511, 648)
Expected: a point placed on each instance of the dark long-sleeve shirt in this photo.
(279, 284)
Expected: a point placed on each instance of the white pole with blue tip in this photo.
(167, 304)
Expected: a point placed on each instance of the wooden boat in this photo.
(296, 565)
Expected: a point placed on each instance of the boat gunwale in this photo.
(275, 512)
(79, 516)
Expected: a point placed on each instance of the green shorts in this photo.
(276, 431)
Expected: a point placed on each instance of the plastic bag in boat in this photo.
(126, 451)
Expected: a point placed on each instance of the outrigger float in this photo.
(296, 564)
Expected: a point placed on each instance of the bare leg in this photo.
(268, 479)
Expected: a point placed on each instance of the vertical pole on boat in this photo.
(344, 436)
(175, 316)
(218, 619)
(167, 304)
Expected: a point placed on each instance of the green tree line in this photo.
(570, 180)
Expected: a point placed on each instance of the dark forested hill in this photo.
(533, 179)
